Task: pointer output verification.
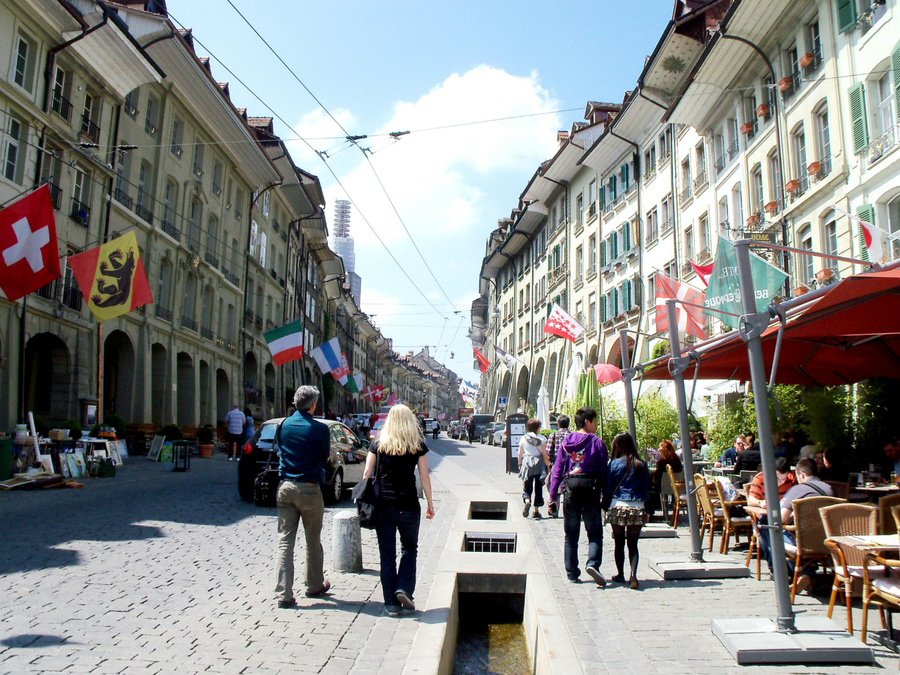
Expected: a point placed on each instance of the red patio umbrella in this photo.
(847, 333)
(606, 373)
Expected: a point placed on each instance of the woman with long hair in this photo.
(667, 457)
(397, 451)
(626, 509)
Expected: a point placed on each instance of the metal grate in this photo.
(490, 542)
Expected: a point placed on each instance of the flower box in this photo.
(814, 168)
(753, 220)
(800, 290)
(792, 185)
(824, 274)
(771, 207)
(807, 60)
(746, 128)
(762, 110)
(785, 83)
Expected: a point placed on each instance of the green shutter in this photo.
(602, 308)
(626, 294)
(627, 231)
(637, 285)
(858, 122)
(846, 14)
(865, 212)
(895, 66)
(603, 254)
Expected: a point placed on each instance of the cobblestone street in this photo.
(155, 571)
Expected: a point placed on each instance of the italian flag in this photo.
(286, 342)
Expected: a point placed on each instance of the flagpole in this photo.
(21, 415)
(99, 372)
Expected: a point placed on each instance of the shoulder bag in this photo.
(367, 496)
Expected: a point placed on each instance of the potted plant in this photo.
(814, 168)
(205, 440)
(800, 290)
(762, 110)
(746, 128)
(771, 207)
(824, 274)
(753, 220)
(806, 60)
(792, 185)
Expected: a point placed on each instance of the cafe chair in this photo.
(843, 520)
(809, 534)
(886, 524)
(841, 489)
(881, 582)
(710, 516)
(679, 497)
(733, 524)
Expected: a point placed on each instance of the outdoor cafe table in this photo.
(876, 492)
(870, 542)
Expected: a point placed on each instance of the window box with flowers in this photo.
(747, 127)
(785, 83)
(792, 185)
(814, 168)
(762, 110)
(771, 207)
(807, 59)
(753, 220)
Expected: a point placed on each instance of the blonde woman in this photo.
(397, 451)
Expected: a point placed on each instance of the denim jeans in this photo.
(394, 578)
(297, 500)
(534, 484)
(765, 548)
(575, 510)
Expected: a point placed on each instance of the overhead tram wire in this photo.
(327, 166)
(355, 140)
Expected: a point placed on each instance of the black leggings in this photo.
(631, 534)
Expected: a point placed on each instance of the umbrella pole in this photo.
(756, 324)
(677, 365)
(627, 375)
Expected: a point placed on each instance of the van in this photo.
(481, 423)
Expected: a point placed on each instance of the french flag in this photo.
(328, 357)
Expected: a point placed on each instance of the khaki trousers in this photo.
(298, 501)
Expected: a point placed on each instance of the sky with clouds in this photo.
(482, 87)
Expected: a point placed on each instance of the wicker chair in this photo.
(886, 524)
(733, 524)
(679, 496)
(880, 588)
(841, 489)
(847, 520)
(710, 516)
(809, 534)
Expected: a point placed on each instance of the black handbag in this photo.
(265, 485)
(367, 496)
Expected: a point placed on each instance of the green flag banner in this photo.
(354, 383)
(724, 292)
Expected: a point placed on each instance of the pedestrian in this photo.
(249, 428)
(553, 443)
(470, 429)
(234, 434)
(396, 453)
(581, 468)
(627, 501)
(534, 464)
(304, 445)
(435, 429)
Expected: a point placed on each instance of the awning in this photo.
(849, 333)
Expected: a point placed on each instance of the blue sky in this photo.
(382, 66)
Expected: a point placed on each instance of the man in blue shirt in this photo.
(304, 445)
(234, 434)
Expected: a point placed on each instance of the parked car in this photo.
(487, 434)
(500, 436)
(481, 421)
(453, 429)
(343, 469)
(376, 427)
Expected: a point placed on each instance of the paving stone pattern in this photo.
(157, 572)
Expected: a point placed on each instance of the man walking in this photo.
(553, 445)
(234, 434)
(581, 468)
(435, 429)
(303, 450)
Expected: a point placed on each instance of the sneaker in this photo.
(390, 610)
(405, 601)
(594, 574)
(619, 579)
(536, 514)
(322, 591)
(804, 581)
(231, 459)
(287, 604)
(527, 508)
(633, 584)
(574, 580)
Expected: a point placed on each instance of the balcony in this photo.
(217, 189)
(649, 175)
(811, 61)
(231, 346)
(150, 128)
(789, 85)
(189, 323)
(122, 197)
(651, 237)
(211, 260)
(733, 150)
(720, 163)
(667, 226)
(270, 324)
(591, 272)
(163, 313)
(144, 213)
(176, 150)
(686, 270)
(631, 187)
(884, 144)
(55, 194)
(197, 170)
(579, 281)
(90, 130)
(685, 195)
(61, 106)
(258, 320)
(129, 109)
(700, 181)
(71, 298)
(557, 275)
(81, 213)
(232, 277)
(206, 333)
(170, 229)
(618, 199)
(750, 128)
(248, 315)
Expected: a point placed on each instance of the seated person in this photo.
(667, 457)
(833, 468)
(729, 457)
(787, 448)
(756, 494)
(748, 459)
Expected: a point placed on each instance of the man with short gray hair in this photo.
(304, 446)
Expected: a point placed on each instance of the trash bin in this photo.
(6, 447)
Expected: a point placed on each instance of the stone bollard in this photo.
(346, 542)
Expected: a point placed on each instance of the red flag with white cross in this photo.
(560, 323)
(29, 256)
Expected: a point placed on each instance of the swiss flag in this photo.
(29, 256)
(703, 271)
(690, 319)
(560, 323)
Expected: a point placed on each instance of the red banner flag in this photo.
(483, 363)
(29, 257)
(560, 323)
(690, 319)
(703, 271)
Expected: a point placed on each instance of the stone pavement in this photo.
(156, 572)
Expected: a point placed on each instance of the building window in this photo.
(830, 241)
(887, 115)
(805, 262)
(703, 233)
(814, 46)
(23, 62)
(668, 214)
(197, 161)
(579, 211)
(757, 196)
(194, 225)
(685, 179)
(798, 145)
(652, 225)
(700, 158)
(14, 149)
(150, 121)
(650, 161)
(723, 214)
(175, 143)
(164, 290)
(775, 184)
(823, 139)
(59, 101)
(212, 240)
(689, 244)
(737, 206)
(893, 213)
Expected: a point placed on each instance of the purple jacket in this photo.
(579, 452)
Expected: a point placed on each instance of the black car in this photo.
(344, 467)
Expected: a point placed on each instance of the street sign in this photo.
(501, 401)
(515, 429)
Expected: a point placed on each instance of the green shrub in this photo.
(74, 428)
(41, 426)
(171, 432)
(205, 435)
(655, 419)
(116, 421)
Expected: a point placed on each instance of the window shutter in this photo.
(858, 122)
(846, 14)
(602, 198)
(627, 232)
(602, 308)
(626, 294)
(895, 66)
(637, 286)
(866, 212)
(603, 253)
(614, 301)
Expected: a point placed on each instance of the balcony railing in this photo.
(631, 187)
(129, 109)
(720, 163)
(814, 59)
(176, 150)
(163, 313)
(686, 194)
(884, 143)
(579, 280)
(734, 149)
(789, 85)
(248, 315)
(144, 213)
(89, 129)
(71, 297)
(197, 170)
(667, 225)
(232, 277)
(258, 321)
(206, 333)
(557, 275)
(55, 195)
(591, 271)
(216, 188)
(700, 181)
(211, 260)
(592, 210)
(122, 197)
(189, 323)
(170, 229)
(150, 128)
(61, 106)
(81, 213)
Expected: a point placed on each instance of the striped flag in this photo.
(703, 271)
(328, 358)
(286, 342)
(354, 384)
(690, 319)
(508, 359)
